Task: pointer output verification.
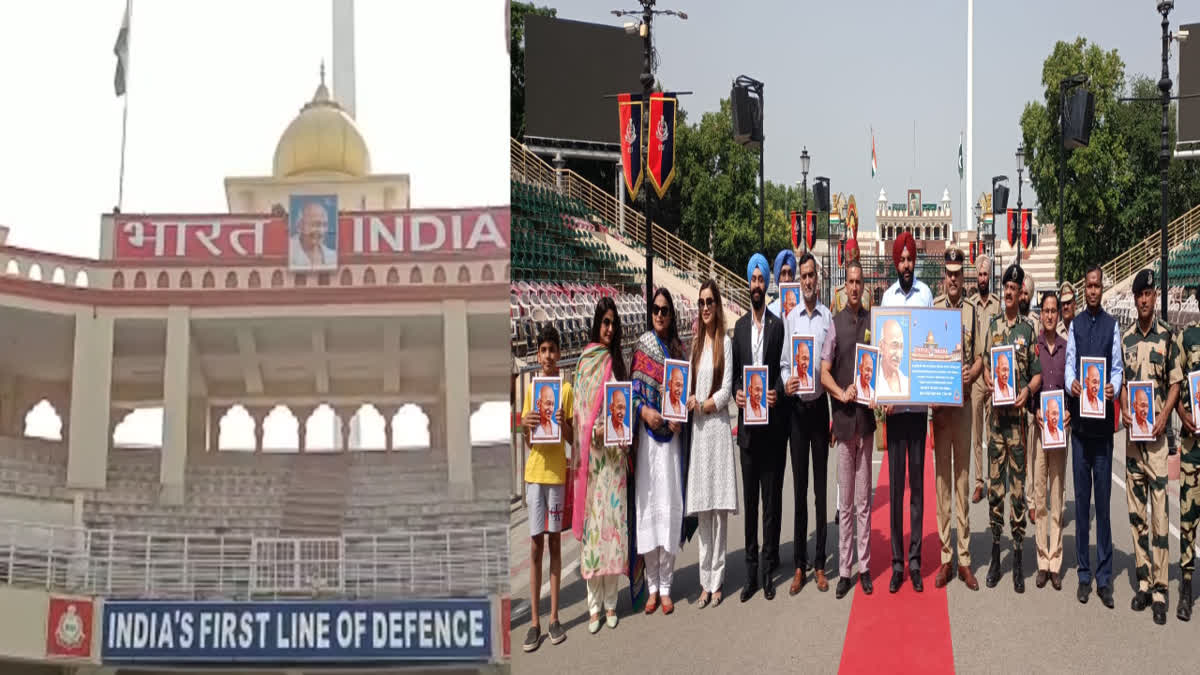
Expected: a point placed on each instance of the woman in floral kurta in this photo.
(600, 519)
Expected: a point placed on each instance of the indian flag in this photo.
(960, 156)
(874, 162)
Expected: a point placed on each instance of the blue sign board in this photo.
(296, 632)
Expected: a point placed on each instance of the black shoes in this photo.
(897, 579)
(1106, 596)
(1056, 581)
(1141, 600)
(1160, 612)
(557, 634)
(843, 587)
(533, 639)
(751, 584)
(1184, 611)
(1042, 577)
(993, 574)
(864, 580)
(917, 584)
(1084, 591)
(1018, 572)
(768, 585)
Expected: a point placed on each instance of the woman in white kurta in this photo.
(712, 473)
(660, 467)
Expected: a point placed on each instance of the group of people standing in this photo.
(635, 506)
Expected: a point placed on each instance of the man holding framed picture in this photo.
(1006, 445)
(1151, 355)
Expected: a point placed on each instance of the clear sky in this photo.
(834, 69)
(212, 86)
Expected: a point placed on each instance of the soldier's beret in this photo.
(1013, 274)
(1143, 280)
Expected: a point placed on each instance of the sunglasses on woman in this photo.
(706, 302)
(660, 310)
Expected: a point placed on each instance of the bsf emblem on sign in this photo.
(68, 628)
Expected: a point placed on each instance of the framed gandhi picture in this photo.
(677, 380)
(313, 233)
(1094, 374)
(1054, 435)
(866, 358)
(803, 362)
(789, 296)
(547, 398)
(617, 427)
(755, 380)
(1004, 379)
(1141, 405)
(1193, 381)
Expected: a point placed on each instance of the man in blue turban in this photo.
(785, 273)
(758, 341)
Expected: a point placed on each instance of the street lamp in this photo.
(1164, 152)
(1020, 214)
(804, 164)
(647, 79)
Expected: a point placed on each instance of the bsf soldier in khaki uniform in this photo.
(1066, 309)
(840, 299)
(1188, 344)
(986, 305)
(1006, 444)
(1031, 447)
(952, 436)
(1150, 354)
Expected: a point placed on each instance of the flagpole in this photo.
(124, 124)
(124, 93)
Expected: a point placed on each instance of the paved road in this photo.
(990, 628)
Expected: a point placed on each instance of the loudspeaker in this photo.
(747, 117)
(821, 193)
(999, 200)
(1078, 116)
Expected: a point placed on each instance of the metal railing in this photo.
(1148, 250)
(528, 167)
(122, 564)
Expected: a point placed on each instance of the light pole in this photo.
(647, 80)
(804, 164)
(1164, 152)
(1020, 214)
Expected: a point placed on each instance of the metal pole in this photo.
(1062, 172)
(970, 158)
(647, 79)
(762, 201)
(1164, 153)
(1020, 217)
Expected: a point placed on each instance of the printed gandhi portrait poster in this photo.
(617, 406)
(1093, 372)
(755, 380)
(803, 362)
(1054, 434)
(790, 295)
(1141, 407)
(1004, 388)
(676, 384)
(313, 233)
(866, 358)
(920, 355)
(547, 397)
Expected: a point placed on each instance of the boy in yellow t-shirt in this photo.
(545, 487)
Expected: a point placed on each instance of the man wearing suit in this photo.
(758, 341)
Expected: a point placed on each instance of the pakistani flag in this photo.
(960, 157)
(121, 49)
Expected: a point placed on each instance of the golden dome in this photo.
(322, 140)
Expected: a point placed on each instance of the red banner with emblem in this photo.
(841, 253)
(972, 249)
(69, 628)
(660, 148)
(1026, 227)
(810, 229)
(629, 109)
(792, 219)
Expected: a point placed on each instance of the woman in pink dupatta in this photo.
(600, 516)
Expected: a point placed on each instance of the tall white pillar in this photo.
(456, 413)
(970, 158)
(343, 54)
(175, 404)
(91, 394)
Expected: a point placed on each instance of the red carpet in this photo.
(907, 632)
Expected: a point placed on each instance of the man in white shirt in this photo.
(674, 406)
(1052, 432)
(306, 246)
(547, 428)
(906, 428)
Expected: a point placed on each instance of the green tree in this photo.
(518, 12)
(1112, 195)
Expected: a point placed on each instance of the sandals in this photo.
(667, 606)
(703, 602)
(716, 598)
(652, 603)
